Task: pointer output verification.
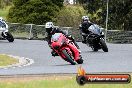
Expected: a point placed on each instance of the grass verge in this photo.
(53, 82)
(7, 60)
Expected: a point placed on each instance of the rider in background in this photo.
(50, 30)
(85, 24)
(3, 23)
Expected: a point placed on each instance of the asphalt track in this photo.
(118, 59)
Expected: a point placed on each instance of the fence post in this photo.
(30, 32)
(107, 19)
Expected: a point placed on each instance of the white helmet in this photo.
(85, 18)
(49, 25)
(1, 19)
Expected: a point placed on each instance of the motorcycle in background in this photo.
(5, 33)
(66, 49)
(95, 39)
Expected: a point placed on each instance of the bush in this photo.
(33, 11)
(70, 16)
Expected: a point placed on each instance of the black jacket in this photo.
(84, 27)
(54, 30)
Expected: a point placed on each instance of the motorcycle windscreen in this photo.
(95, 29)
(2, 24)
(55, 37)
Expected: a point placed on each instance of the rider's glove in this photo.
(70, 37)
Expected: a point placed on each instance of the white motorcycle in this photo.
(4, 32)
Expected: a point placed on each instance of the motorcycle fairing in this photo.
(60, 42)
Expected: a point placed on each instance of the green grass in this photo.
(60, 83)
(25, 35)
(4, 12)
(20, 34)
(6, 60)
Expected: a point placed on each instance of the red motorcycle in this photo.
(66, 49)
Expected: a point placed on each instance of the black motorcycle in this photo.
(95, 39)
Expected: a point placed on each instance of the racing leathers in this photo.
(57, 30)
(84, 29)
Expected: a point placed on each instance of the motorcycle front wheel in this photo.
(103, 45)
(68, 57)
(9, 37)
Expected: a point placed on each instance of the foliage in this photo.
(7, 60)
(1, 3)
(18, 3)
(4, 3)
(120, 12)
(4, 12)
(58, 2)
(70, 16)
(34, 11)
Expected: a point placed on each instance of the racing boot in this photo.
(83, 39)
(54, 53)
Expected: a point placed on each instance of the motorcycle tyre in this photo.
(103, 45)
(9, 37)
(80, 61)
(68, 57)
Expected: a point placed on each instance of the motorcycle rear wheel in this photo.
(68, 57)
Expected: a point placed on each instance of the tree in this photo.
(18, 3)
(4, 3)
(119, 13)
(58, 2)
(1, 3)
(70, 16)
(81, 1)
(33, 11)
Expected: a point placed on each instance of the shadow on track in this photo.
(92, 52)
(4, 41)
(68, 64)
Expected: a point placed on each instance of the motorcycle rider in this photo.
(85, 24)
(50, 30)
(3, 23)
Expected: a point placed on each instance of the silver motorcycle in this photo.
(96, 38)
(4, 32)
